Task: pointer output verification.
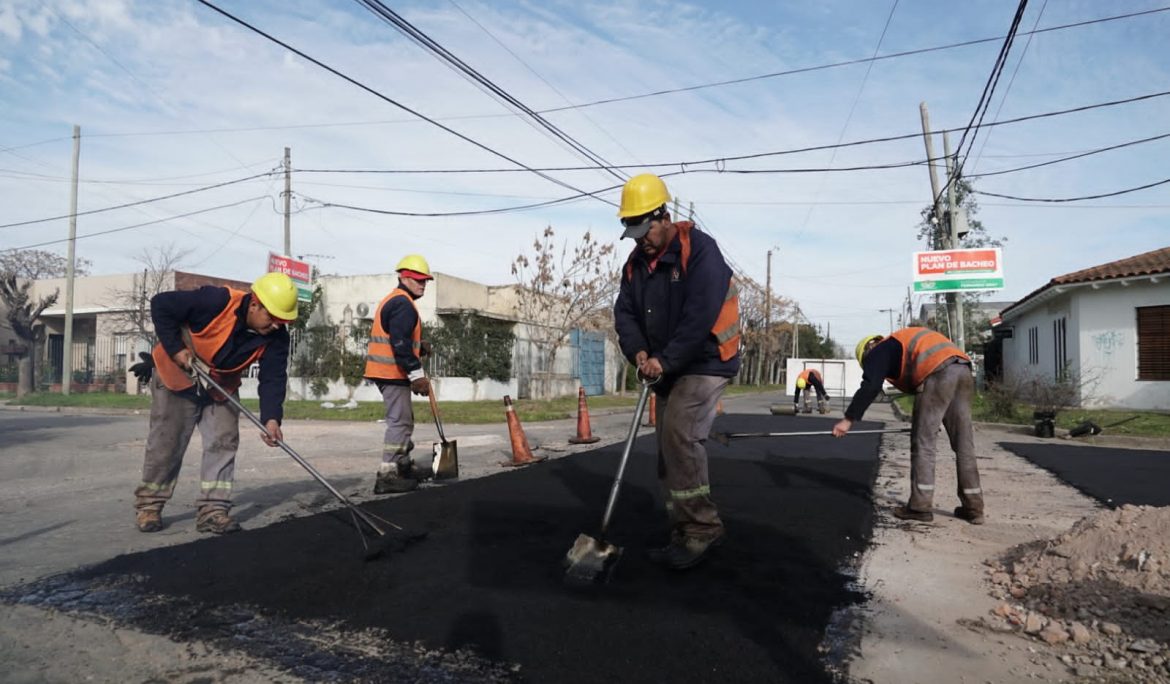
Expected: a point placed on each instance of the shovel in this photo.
(592, 560)
(446, 464)
(371, 521)
(725, 438)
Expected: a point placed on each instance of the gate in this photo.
(590, 360)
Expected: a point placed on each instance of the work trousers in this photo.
(396, 444)
(683, 422)
(173, 419)
(812, 385)
(945, 397)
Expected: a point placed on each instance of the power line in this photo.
(134, 204)
(1074, 199)
(1099, 150)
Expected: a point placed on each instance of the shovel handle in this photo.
(617, 480)
(435, 413)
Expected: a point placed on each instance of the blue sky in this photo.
(171, 96)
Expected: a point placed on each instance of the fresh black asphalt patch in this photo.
(1112, 476)
(487, 575)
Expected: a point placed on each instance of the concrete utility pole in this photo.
(287, 201)
(954, 299)
(768, 297)
(795, 330)
(936, 203)
(67, 348)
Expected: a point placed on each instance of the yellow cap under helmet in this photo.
(416, 263)
(642, 194)
(861, 345)
(801, 383)
(278, 293)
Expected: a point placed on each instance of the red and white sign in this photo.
(956, 270)
(297, 270)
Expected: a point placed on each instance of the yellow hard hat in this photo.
(642, 194)
(278, 293)
(861, 345)
(415, 263)
(801, 383)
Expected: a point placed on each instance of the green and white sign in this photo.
(958, 270)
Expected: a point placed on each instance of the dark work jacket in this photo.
(195, 309)
(669, 313)
(883, 361)
(398, 319)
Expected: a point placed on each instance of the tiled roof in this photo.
(1146, 264)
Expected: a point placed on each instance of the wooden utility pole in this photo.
(67, 348)
(936, 203)
(287, 202)
(954, 299)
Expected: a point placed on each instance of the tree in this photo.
(935, 236)
(468, 345)
(23, 313)
(132, 305)
(37, 264)
(563, 289)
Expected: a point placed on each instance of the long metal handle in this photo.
(435, 413)
(617, 480)
(735, 435)
(206, 377)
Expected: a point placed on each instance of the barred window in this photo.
(1034, 345)
(1153, 333)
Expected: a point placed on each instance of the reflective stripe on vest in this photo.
(726, 329)
(923, 351)
(809, 372)
(380, 362)
(206, 344)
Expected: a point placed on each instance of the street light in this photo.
(891, 312)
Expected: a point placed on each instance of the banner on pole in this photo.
(300, 272)
(958, 270)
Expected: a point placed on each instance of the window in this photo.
(1153, 333)
(1034, 345)
(1060, 347)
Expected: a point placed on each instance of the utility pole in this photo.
(67, 348)
(795, 330)
(768, 298)
(936, 203)
(891, 313)
(954, 299)
(287, 201)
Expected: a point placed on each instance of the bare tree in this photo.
(563, 289)
(35, 264)
(133, 304)
(23, 313)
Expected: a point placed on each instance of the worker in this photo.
(394, 364)
(225, 330)
(677, 320)
(926, 364)
(810, 376)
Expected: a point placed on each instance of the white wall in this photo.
(1016, 361)
(446, 389)
(1107, 340)
(842, 377)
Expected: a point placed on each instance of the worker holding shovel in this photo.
(226, 330)
(677, 319)
(393, 362)
(926, 364)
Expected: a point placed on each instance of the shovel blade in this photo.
(590, 561)
(446, 464)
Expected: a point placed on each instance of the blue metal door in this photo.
(590, 360)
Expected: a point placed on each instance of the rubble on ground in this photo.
(1096, 598)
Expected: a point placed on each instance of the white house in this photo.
(1108, 324)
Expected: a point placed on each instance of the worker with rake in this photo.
(677, 319)
(226, 330)
(924, 363)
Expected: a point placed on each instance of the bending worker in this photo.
(810, 376)
(227, 330)
(394, 363)
(677, 320)
(925, 363)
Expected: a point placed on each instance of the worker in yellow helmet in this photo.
(227, 330)
(394, 363)
(807, 377)
(927, 364)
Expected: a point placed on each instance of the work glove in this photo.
(145, 368)
(421, 387)
(424, 349)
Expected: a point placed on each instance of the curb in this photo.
(82, 410)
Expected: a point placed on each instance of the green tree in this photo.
(467, 345)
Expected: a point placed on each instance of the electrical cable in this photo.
(1088, 153)
(139, 202)
(1074, 199)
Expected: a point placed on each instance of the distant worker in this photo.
(810, 376)
(925, 363)
(677, 320)
(394, 363)
(226, 330)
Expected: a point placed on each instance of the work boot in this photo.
(391, 482)
(969, 514)
(149, 520)
(690, 552)
(216, 521)
(420, 471)
(657, 554)
(907, 513)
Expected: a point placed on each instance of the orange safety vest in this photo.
(923, 351)
(205, 344)
(380, 361)
(726, 329)
(806, 373)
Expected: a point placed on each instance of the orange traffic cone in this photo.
(652, 411)
(719, 407)
(584, 433)
(521, 452)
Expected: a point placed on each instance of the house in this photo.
(1107, 325)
